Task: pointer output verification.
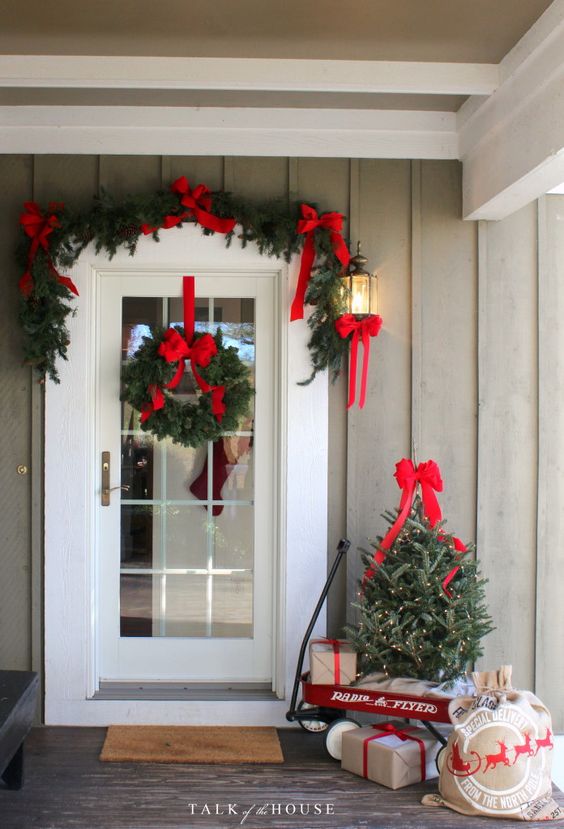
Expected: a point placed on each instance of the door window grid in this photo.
(210, 571)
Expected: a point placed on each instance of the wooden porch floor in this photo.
(67, 787)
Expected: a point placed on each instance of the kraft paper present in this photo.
(323, 662)
(391, 761)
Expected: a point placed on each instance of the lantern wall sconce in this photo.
(361, 322)
(361, 287)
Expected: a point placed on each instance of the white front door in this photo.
(186, 548)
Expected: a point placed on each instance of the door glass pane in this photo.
(137, 453)
(187, 518)
(233, 605)
(136, 597)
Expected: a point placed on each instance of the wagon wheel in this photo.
(334, 736)
(313, 726)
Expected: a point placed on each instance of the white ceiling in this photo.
(476, 80)
(480, 31)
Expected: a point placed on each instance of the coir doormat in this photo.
(191, 744)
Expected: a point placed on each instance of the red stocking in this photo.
(220, 474)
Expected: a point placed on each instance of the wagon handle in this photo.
(342, 549)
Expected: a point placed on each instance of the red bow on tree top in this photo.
(366, 327)
(428, 476)
(175, 348)
(199, 203)
(308, 224)
(39, 227)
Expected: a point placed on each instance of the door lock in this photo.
(106, 488)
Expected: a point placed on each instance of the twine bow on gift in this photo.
(386, 730)
(198, 203)
(176, 348)
(39, 227)
(308, 224)
(361, 329)
(428, 476)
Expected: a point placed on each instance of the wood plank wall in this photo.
(462, 369)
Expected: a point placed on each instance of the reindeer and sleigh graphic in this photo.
(459, 767)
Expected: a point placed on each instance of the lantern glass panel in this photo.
(360, 290)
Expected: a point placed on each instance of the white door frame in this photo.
(70, 470)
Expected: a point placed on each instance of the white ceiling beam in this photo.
(511, 144)
(396, 77)
(231, 131)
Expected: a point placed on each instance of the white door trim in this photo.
(70, 575)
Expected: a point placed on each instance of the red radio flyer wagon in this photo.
(325, 707)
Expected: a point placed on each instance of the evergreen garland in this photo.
(189, 424)
(408, 624)
(113, 224)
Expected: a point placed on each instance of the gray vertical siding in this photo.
(468, 367)
(16, 174)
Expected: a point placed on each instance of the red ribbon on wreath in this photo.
(428, 476)
(39, 227)
(308, 224)
(200, 352)
(364, 328)
(199, 204)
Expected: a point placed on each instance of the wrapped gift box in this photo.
(392, 754)
(331, 662)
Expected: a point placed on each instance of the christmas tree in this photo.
(422, 610)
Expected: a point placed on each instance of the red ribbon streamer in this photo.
(364, 328)
(167, 223)
(460, 547)
(157, 402)
(385, 731)
(308, 224)
(200, 352)
(336, 645)
(39, 227)
(199, 203)
(428, 476)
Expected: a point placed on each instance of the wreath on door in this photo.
(55, 237)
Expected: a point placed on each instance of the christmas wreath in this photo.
(55, 237)
(158, 367)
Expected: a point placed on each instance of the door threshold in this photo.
(197, 691)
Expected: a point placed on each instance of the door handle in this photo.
(106, 488)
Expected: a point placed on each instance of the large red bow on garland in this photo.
(428, 476)
(308, 224)
(175, 348)
(364, 328)
(39, 227)
(199, 203)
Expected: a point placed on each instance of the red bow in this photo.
(388, 729)
(198, 202)
(199, 351)
(310, 221)
(367, 327)
(39, 227)
(428, 476)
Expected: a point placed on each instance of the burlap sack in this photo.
(498, 758)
